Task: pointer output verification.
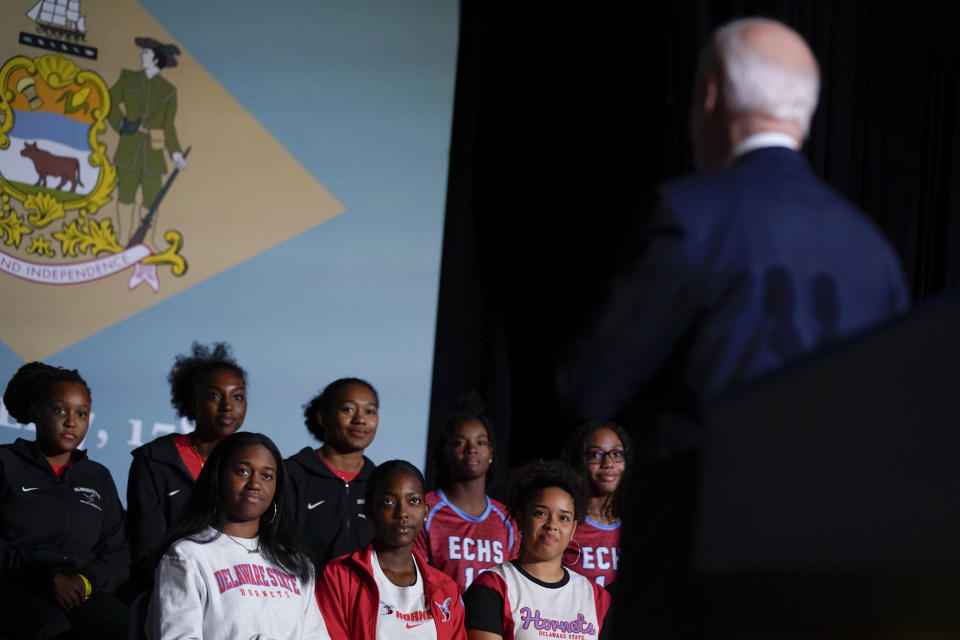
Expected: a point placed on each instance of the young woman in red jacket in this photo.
(386, 590)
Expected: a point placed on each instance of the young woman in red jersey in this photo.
(208, 387)
(466, 531)
(601, 452)
(535, 596)
(386, 590)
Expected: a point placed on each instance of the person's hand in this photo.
(68, 591)
(179, 160)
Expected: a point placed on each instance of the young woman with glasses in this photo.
(601, 452)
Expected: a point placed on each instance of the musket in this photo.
(141, 231)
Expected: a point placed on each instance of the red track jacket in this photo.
(350, 601)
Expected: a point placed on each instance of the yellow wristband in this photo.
(87, 588)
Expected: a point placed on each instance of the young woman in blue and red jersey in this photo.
(535, 595)
(387, 591)
(466, 531)
(601, 451)
(63, 546)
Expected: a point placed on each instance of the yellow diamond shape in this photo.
(240, 194)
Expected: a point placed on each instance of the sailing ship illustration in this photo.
(59, 18)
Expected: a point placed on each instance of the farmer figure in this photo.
(142, 111)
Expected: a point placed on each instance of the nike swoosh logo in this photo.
(174, 492)
(314, 505)
(415, 624)
(25, 490)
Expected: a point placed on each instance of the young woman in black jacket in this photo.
(328, 483)
(63, 546)
(208, 387)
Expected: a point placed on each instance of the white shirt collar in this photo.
(764, 139)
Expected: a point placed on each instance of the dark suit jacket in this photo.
(738, 272)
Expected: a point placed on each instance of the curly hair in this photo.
(278, 541)
(532, 478)
(469, 407)
(189, 370)
(576, 446)
(383, 474)
(31, 384)
(324, 401)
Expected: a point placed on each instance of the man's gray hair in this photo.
(754, 83)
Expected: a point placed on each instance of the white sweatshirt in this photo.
(217, 590)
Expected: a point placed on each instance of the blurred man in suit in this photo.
(746, 265)
(738, 270)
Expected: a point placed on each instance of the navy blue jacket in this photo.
(735, 273)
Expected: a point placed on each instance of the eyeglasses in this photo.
(596, 456)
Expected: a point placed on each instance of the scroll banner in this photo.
(86, 271)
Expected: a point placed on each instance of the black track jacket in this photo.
(74, 524)
(329, 511)
(158, 490)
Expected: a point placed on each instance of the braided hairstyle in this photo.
(576, 446)
(324, 402)
(189, 370)
(31, 384)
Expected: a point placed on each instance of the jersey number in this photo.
(469, 574)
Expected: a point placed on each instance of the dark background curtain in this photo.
(565, 119)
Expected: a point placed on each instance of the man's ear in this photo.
(711, 94)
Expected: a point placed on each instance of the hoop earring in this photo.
(579, 549)
(274, 516)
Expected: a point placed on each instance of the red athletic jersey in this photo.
(462, 546)
(599, 551)
(508, 602)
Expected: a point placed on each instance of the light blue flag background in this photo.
(361, 94)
